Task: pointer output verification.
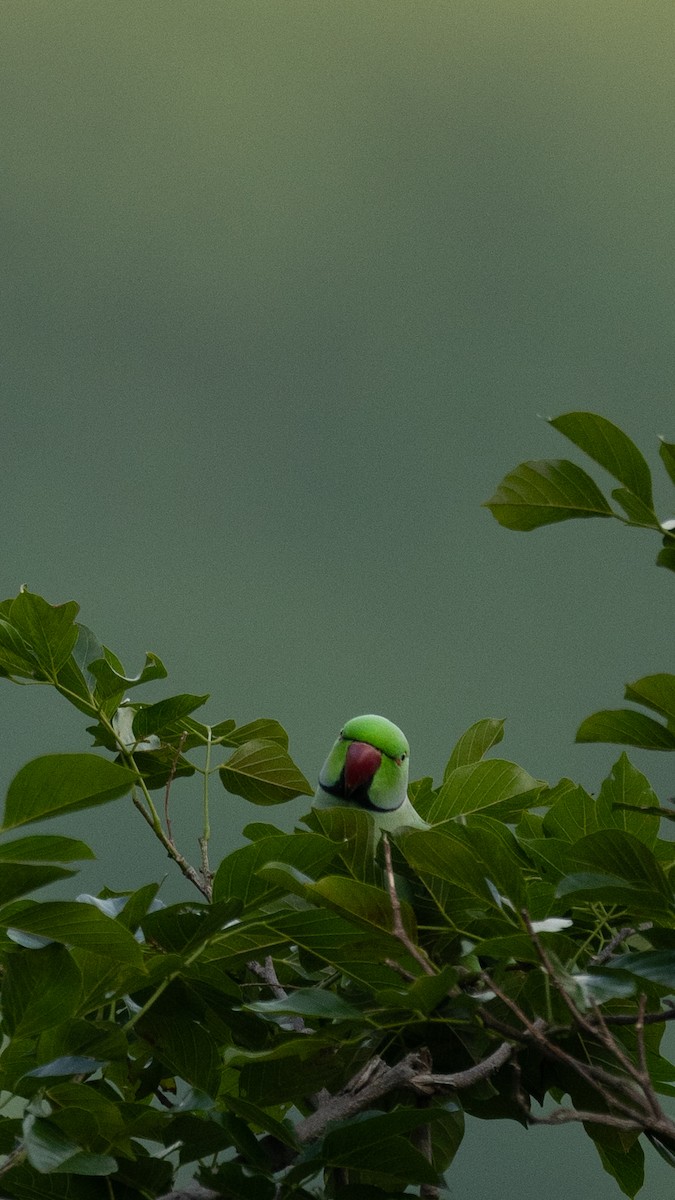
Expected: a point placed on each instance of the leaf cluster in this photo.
(320, 1012)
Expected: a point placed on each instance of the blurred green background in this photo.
(286, 288)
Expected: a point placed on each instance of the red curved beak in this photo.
(361, 763)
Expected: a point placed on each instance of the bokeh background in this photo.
(287, 289)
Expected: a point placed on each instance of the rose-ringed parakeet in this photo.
(368, 768)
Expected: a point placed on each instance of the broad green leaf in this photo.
(609, 446)
(311, 1003)
(655, 965)
(58, 783)
(185, 1047)
(41, 988)
(25, 1183)
(355, 951)
(667, 452)
(626, 786)
(654, 691)
(636, 512)
(264, 729)
(495, 847)
(76, 924)
(368, 905)
(541, 493)
(666, 558)
(159, 766)
(74, 679)
(603, 888)
(50, 1150)
(237, 876)
(494, 786)
(16, 658)
(111, 679)
(154, 718)
(48, 630)
(627, 728)
(374, 1143)
(474, 743)
(624, 1163)
(446, 856)
(353, 832)
(44, 848)
(619, 853)
(572, 812)
(264, 773)
(18, 879)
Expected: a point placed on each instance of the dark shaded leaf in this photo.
(41, 989)
(76, 925)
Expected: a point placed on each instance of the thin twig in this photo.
(167, 790)
(620, 936)
(399, 929)
(188, 870)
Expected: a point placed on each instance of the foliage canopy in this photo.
(322, 1009)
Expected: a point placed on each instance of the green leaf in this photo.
(541, 493)
(308, 1002)
(41, 988)
(353, 832)
(74, 680)
(25, 1183)
(185, 1047)
(446, 856)
(48, 630)
(369, 905)
(264, 773)
(76, 925)
(237, 876)
(655, 965)
(18, 879)
(265, 729)
(636, 512)
(667, 452)
(572, 812)
(654, 691)
(59, 783)
(49, 1150)
(495, 786)
(111, 679)
(627, 728)
(154, 718)
(16, 658)
(474, 743)
(44, 848)
(626, 786)
(609, 446)
(666, 558)
(621, 869)
(374, 1143)
(624, 1163)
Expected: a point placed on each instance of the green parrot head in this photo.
(367, 767)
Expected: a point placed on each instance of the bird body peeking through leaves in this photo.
(368, 768)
